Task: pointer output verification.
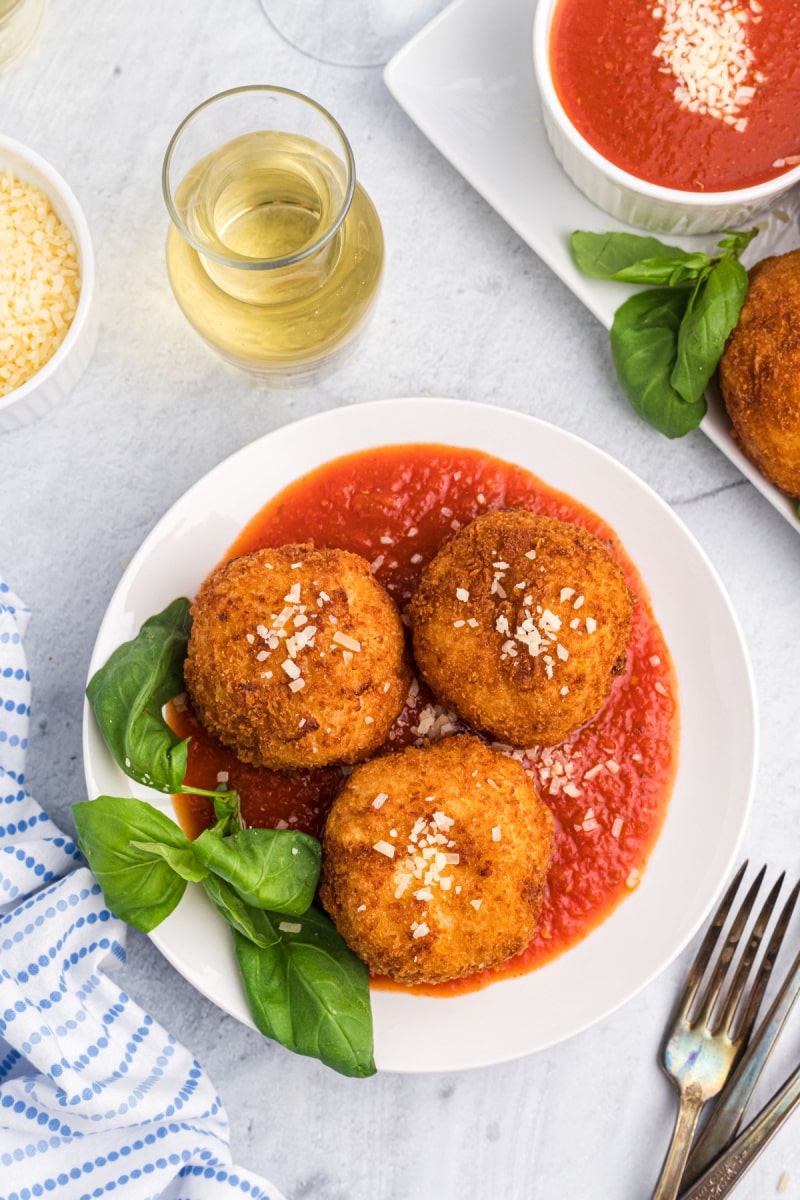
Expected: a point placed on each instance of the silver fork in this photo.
(708, 1030)
(723, 1125)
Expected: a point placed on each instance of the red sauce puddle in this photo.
(604, 832)
(611, 86)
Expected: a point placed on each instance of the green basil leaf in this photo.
(251, 923)
(644, 345)
(711, 315)
(664, 271)
(129, 692)
(604, 255)
(311, 993)
(182, 860)
(734, 244)
(139, 885)
(276, 869)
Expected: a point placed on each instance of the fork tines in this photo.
(732, 1102)
(711, 1007)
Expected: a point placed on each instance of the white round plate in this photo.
(708, 811)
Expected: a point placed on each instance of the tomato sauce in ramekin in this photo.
(693, 95)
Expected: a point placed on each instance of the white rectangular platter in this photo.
(467, 81)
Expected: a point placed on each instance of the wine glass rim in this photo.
(242, 261)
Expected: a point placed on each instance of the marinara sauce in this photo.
(608, 785)
(619, 91)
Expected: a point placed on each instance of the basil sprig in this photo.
(127, 696)
(138, 856)
(264, 866)
(666, 343)
(305, 987)
(296, 989)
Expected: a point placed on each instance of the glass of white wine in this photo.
(274, 251)
(20, 21)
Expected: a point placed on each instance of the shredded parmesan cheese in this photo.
(349, 643)
(704, 45)
(39, 282)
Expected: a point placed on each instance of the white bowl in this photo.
(699, 842)
(55, 380)
(633, 200)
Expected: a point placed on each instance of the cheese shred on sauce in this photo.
(704, 45)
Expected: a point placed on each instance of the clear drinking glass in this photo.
(20, 21)
(352, 33)
(274, 252)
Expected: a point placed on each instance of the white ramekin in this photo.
(51, 385)
(632, 200)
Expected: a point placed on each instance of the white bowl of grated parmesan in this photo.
(670, 115)
(48, 319)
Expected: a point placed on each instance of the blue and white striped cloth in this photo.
(95, 1097)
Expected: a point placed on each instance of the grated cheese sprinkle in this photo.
(39, 281)
(704, 45)
(349, 643)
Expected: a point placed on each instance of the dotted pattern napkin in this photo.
(95, 1097)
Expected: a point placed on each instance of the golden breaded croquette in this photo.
(434, 860)
(518, 625)
(759, 372)
(296, 658)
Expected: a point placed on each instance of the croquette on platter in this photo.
(435, 860)
(520, 623)
(759, 372)
(297, 658)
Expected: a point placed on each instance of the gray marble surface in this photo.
(466, 310)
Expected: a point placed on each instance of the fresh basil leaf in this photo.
(711, 315)
(664, 271)
(251, 923)
(311, 993)
(138, 884)
(604, 255)
(644, 345)
(276, 869)
(129, 692)
(182, 860)
(734, 244)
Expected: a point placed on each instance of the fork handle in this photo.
(728, 1169)
(691, 1103)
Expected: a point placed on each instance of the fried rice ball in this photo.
(759, 373)
(520, 623)
(434, 861)
(296, 658)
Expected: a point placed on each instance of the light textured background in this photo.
(468, 311)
